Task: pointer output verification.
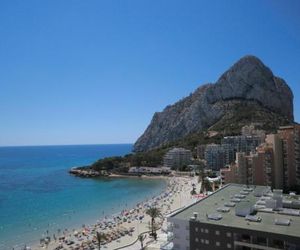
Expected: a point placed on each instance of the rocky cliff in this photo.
(248, 82)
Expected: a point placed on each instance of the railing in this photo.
(250, 245)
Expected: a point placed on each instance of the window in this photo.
(217, 232)
(261, 241)
(228, 234)
(278, 243)
(202, 230)
(196, 229)
(218, 243)
(228, 245)
(202, 241)
(245, 238)
(206, 231)
(196, 239)
(206, 242)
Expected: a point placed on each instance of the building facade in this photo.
(218, 156)
(243, 143)
(275, 163)
(177, 158)
(200, 151)
(290, 137)
(239, 217)
(215, 156)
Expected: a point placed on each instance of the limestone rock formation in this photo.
(248, 82)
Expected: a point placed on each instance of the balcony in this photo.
(243, 241)
(245, 245)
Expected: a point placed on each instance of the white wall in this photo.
(181, 233)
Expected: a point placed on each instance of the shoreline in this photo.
(141, 176)
(34, 243)
(123, 227)
(33, 240)
(89, 173)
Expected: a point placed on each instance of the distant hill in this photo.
(247, 92)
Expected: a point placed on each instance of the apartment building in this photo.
(254, 169)
(290, 137)
(275, 163)
(238, 217)
(177, 157)
(218, 156)
(243, 143)
(215, 156)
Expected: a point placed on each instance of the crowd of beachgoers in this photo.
(123, 228)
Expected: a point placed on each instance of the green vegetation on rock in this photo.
(230, 124)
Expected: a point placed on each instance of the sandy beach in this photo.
(122, 229)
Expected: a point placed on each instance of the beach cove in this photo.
(122, 229)
(38, 197)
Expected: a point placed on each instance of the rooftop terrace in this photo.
(241, 202)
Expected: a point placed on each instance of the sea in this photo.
(38, 197)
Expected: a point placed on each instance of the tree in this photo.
(218, 183)
(100, 237)
(193, 192)
(153, 212)
(141, 238)
(206, 185)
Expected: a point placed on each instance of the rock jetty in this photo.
(85, 173)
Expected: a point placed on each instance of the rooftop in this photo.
(245, 201)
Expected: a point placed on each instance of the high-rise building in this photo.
(276, 144)
(255, 168)
(275, 163)
(177, 158)
(215, 156)
(219, 155)
(290, 136)
(243, 143)
(238, 217)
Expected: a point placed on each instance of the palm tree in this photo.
(100, 237)
(153, 212)
(193, 192)
(141, 239)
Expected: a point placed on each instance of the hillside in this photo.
(229, 124)
(247, 92)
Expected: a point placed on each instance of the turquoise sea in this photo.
(38, 195)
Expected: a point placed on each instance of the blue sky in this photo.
(81, 72)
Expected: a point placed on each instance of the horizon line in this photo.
(53, 145)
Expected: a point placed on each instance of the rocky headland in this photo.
(247, 87)
(247, 93)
